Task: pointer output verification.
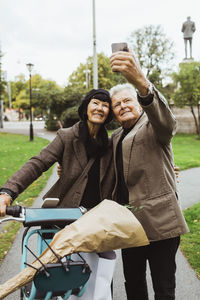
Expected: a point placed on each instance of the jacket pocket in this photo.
(159, 218)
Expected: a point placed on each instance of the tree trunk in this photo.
(196, 120)
(198, 115)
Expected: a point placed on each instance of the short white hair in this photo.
(121, 87)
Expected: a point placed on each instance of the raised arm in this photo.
(156, 107)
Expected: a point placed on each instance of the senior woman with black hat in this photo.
(85, 153)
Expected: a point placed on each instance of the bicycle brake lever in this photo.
(13, 219)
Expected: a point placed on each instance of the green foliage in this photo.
(154, 52)
(188, 82)
(46, 95)
(64, 108)
(106, 78)
(51, 123)
(190, 243)
(22, 101)
(73, 95)
(18, 86)
(68, 110)
(188, 89)
(70, 116)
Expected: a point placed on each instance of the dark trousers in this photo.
(161, 258)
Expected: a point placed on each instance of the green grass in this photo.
(7, 236)
(15, 150)
(186, 150)
(190, 243)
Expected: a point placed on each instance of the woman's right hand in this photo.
(4, 202)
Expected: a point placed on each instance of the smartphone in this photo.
(50, 202)
(119, 47)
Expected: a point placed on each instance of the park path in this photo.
(188, 285)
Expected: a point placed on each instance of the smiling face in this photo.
(97, 111)
(126, 108)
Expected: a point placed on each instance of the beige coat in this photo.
(149, 173)
(69, 151)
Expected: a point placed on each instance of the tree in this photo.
(46, 95)
(106, 78)
(48, 100)
(72, 98)
(17, 86)
(2, 89)
(2, 81)
(154, 52)
(188, 90)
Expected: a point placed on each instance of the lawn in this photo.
(186, 150)
(190, 243)
(15, 150)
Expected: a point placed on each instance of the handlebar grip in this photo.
(13, 210)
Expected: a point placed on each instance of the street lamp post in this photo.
(30, 68)
(95, 61)
(87, 76)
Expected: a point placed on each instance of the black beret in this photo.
(99, 94)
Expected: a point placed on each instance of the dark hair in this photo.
(99, 94)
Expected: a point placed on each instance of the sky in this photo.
(57, 35)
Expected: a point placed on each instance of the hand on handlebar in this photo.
(4, 202)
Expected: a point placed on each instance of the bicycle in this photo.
(53, 280)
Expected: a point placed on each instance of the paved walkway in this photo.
(188, 285)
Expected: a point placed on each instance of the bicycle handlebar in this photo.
(14, 211)
(40, 216)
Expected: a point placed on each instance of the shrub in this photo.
(51, 123)
(70, 116)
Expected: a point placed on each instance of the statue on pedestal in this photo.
(188, 28)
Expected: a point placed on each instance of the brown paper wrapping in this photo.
(108, 226)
